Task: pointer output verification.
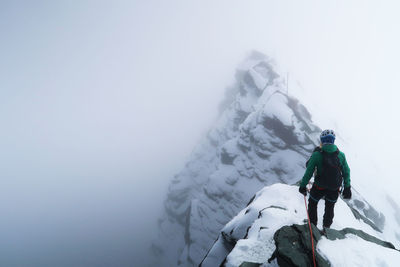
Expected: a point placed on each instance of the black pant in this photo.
(331, 197)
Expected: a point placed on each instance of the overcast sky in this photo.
(101, 102)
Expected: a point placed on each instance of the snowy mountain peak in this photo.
(253, 76)
(263, 136)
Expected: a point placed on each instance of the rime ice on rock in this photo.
(263, 136)
(273, 224)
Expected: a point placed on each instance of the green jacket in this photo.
(316, 162)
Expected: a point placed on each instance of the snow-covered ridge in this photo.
(252, 235)
(263, 137)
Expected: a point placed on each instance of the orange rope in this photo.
(312, 239)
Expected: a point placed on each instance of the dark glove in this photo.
(347, 193)
(303, 190)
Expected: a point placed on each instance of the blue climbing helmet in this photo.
(328, 137)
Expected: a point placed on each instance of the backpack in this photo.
(315, 149)
(330, 176)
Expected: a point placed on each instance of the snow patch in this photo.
(355, 251)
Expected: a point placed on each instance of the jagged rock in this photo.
(249, 264)
(262, 137)
(364, 211)
(294, 249)
(272, 225)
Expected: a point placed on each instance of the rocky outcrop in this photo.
(262, 137)
(364, 211)
(294, 249)
(270, 231)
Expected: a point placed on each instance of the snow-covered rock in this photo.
(272, 226)
(262, 137)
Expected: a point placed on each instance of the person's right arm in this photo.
(312, 163)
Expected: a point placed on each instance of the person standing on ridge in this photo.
(332, 169)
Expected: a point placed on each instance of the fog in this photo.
(102, 102)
